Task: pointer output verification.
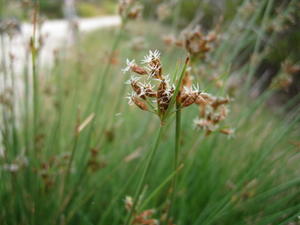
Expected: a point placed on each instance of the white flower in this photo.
(148, 85)
(198, 122)
(187, 90)
(129, 97)
(205, 124)
(195, 88)
(152, 70)
(168, 92)
(154, 101)
(129, 64)
(151, 56)
(132, 79)
(191, 90)
(128, 202)
(167, 78)
(142, 92)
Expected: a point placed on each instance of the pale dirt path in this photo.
(56, 33)
(57, 37)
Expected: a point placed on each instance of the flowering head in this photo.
(213, 110)
(197, 43)
(155, 92)
(129, 9)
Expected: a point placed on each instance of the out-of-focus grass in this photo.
(89, 9)
(252, 178)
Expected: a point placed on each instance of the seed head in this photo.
(156, 98)
(129, 9)
(128, 203)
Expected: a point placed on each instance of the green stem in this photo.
(34, 76)
(144, 175)
(158, 189)
(176, 16)
(177, 145)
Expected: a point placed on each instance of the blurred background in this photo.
(284, 30)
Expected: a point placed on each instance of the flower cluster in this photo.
(164, 10)
(212, 113)
(129, 9)
(156, 92)
(143, 218)
(194, 41)
(286, 75)
(17, 164)
(94, 164)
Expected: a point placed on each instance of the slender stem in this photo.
(175, 165)
(34, 76)
(176, 16)
(144, 175)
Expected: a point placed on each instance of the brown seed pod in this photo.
(156, 69)
(163, 97)
(139, 103)
(137, 88)
(219, 101)
(227, 131)
(188, 99)
(200, 100)
(207, 97)
(139, 70)
(150, 93)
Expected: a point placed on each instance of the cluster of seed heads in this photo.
(156, 92)
(15, 165)
(286, 75)
(143, 218)
(129, 9)
(164, 10)
(194, 41)
(212, 113)
(52, 167)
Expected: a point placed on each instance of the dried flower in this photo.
(143, 218)
(163, 11)
(129, 9)
(128, 203)
(227, 131)
(213, 111)
(194, 41)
